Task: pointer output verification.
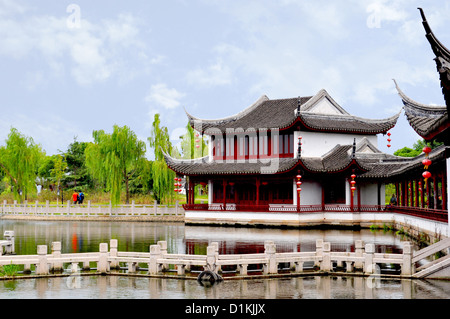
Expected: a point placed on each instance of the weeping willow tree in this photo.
(161, 174)
(113, 158)
(19, 160)
(193, 144)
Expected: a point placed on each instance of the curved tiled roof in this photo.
(338, 159)
(442, 59)
(282, 113)
(373, 165)
(426, 120)
(396, 166)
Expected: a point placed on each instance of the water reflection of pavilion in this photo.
(251, 240)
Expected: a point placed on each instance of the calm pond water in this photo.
(137, 236)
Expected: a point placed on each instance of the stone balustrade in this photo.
(158, 260)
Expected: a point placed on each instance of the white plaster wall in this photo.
(319, 218)
(316, 144)
(210, 191)
(369, 194)
(311, 193)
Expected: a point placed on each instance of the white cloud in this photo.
(92, 53)
(216, 74)
(163, 96)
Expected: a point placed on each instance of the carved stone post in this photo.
(407, 266)
(56, 253)
(42, 266)
(103, 264)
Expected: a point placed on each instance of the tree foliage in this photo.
(189, 144)
(163, 176)
(417, 148)
(78, 176)
(113, 158)
(19, 161)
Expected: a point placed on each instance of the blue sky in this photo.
(70, 67)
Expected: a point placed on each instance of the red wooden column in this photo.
(224, 194)
(191, 193)
(351, 196)
(411, 193)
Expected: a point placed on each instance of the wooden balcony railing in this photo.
(433, 214)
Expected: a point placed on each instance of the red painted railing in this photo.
(433, 214)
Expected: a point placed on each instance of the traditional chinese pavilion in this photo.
(308, 154)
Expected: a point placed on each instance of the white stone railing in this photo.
(158, 260)
(88, 209)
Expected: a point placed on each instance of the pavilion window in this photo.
(275, 141)
(253, 146)
(334, 192)
(241, 142)
(282, 193)
(218, 147)
(285, 145)
(229, 147)
(263, 145)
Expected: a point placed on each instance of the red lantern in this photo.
(389, 145)
(299, 183)
(353, 176)
(426, 174)
(426, 149)
(426, 162)
(299, 189)
(389, 134)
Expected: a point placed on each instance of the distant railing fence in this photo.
(89, 210)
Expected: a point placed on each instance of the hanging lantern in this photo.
(426, 162)
(299, 183)
(426, 175)
(353, 183)
(389, 139)
(426, 150)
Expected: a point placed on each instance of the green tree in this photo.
(417, 148)
(19, 160)
(189, 144)
(113, 158)
(58, 171)
(78, 175)
(162, 176)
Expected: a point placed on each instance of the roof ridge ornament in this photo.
(299, 103)
(354, 149)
